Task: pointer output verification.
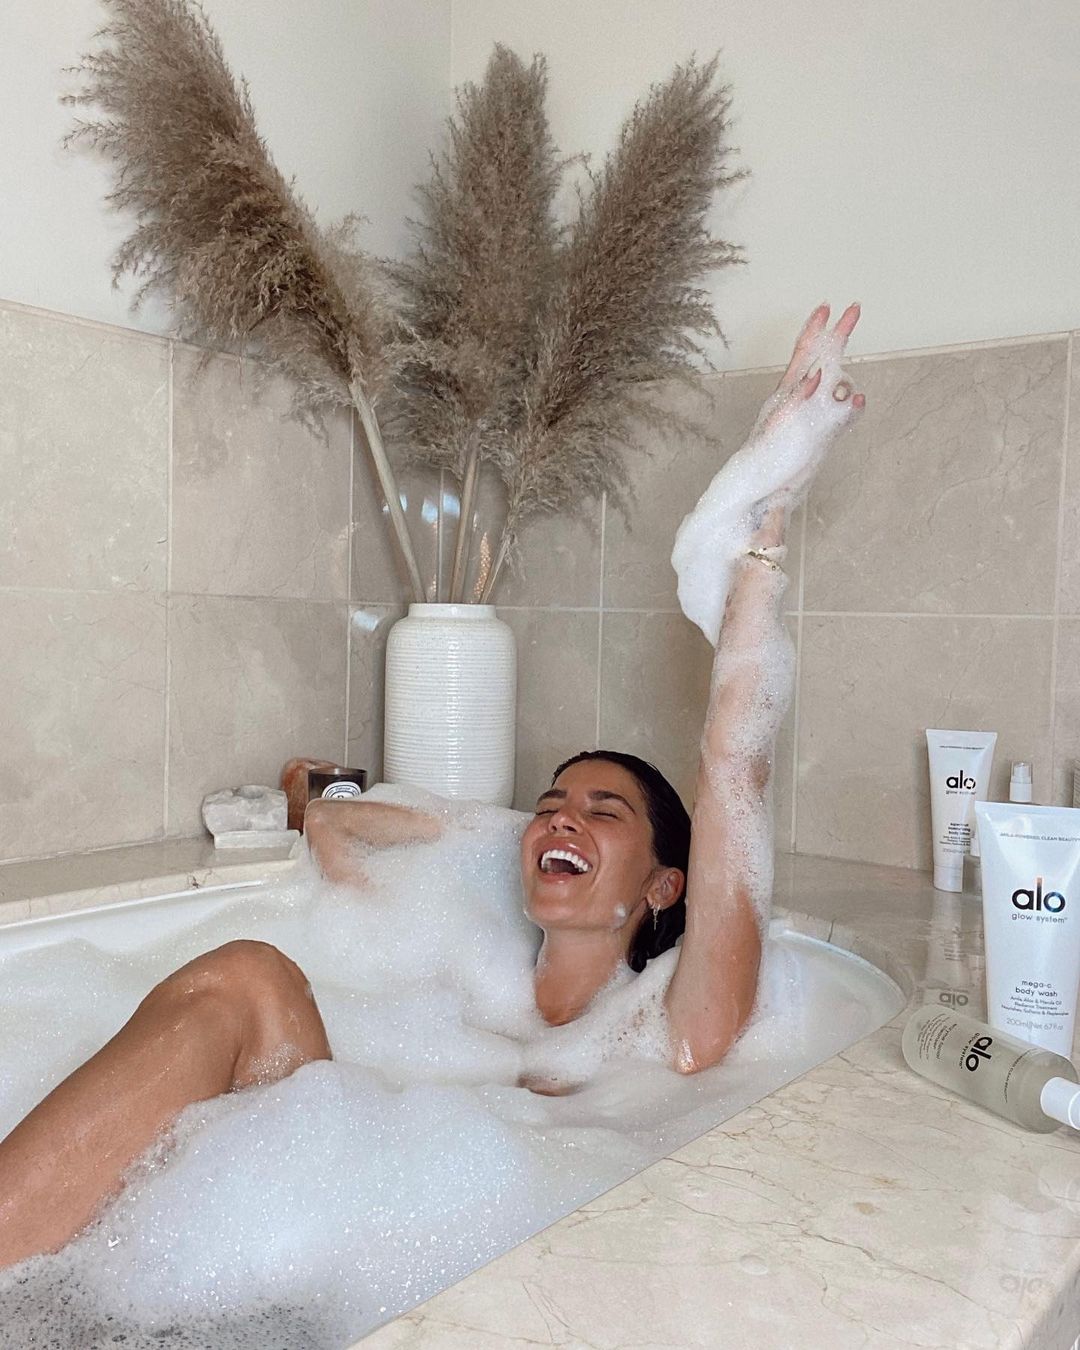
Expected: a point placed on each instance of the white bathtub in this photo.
(848, 999)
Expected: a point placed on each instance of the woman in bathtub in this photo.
(606, 863)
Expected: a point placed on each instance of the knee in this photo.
(241, 974)
(256, 970)
(280, 1025)
(251, 999)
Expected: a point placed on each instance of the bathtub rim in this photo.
(196, 866)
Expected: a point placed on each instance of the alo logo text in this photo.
(980, 1050)
(953, 998)
(1038, 899)
(960, 780)
(1026, 1287)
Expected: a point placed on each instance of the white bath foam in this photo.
(773, 467)
(305, 1212)
(348, 1186)
(645, 1102)
(58, 1006)
(625, 1022)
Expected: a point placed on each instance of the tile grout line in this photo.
(170, 410)
(794, 822)
(349, 584)
(915, 614)
(1058, 569)
(600, 622)
(910, 353)
(1035, 617)
(937, 349)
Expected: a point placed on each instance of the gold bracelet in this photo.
(765, 555)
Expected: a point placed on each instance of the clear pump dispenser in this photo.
(1020, 781)
(1024, 1083)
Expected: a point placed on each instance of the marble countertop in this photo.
(46, 886)
(858, 1206)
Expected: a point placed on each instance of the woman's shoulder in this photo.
(626, 1020)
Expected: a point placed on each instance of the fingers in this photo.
(847, 321)
(843, 392)
(796, 376)
(814, 325)
(812, 328)
(819, 317)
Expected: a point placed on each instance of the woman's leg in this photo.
(239, 1015)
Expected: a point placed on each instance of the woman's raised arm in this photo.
(339, 833)
(729, 881)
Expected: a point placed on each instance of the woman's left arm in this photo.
(713, 989)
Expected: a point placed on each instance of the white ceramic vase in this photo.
(451, 685)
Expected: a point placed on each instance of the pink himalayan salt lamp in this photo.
(294, 781)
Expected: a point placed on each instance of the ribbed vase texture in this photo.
(451, 681)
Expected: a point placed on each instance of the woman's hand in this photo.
(801, 379)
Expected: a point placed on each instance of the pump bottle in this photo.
(1024, 1083)
(1020, 781)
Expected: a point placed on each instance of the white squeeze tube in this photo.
(1031, 920)
(960, 763)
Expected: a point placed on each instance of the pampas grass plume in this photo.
(220, 232)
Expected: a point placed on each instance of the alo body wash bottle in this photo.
(1031, 920)
(1013, 1078)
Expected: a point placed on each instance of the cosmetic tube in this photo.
(1031, 920)
(959, 775)
(1022, 1082)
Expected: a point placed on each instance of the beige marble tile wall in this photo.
(193, 588)
(177, 564)
(935, 581)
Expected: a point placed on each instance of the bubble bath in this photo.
(303, 1213)
(775, 466)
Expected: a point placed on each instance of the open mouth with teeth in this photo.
(561, 862)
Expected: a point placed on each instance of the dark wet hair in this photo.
(670, 823)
